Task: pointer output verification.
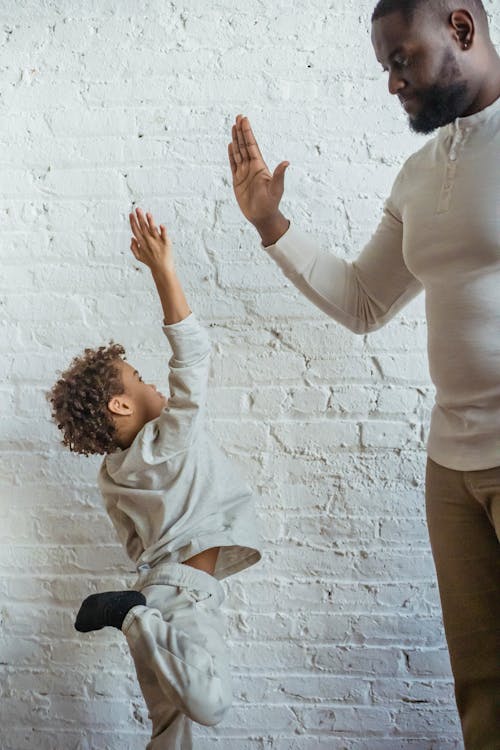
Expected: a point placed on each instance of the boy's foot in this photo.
(108, 608)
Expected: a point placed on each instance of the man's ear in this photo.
(463, 29)
(121, 405)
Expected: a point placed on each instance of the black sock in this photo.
(108, 608)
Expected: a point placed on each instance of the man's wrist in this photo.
(272, 229)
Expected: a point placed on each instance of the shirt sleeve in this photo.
(363, 295)
(179, 422)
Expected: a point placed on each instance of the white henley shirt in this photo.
(440, 232)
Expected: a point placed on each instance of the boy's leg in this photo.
(462, 510)
(181, 660)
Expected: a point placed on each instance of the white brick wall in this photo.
(336, 638)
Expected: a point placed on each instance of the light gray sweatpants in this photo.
(180, 656)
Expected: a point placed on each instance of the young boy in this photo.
(179, 508)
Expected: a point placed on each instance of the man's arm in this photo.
(362, 295)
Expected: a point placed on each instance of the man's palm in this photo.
(257, 191)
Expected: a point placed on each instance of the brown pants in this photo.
(463, 515)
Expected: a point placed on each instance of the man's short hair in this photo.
(408, 8)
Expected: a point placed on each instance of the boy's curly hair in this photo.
(80, 399)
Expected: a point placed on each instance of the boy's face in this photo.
(140, 401)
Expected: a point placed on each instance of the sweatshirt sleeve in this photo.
(179, 422)
(363, 295)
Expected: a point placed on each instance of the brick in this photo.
(315, 438)
(343, 720)
(429, 662)
(424, 693)
(378, 434)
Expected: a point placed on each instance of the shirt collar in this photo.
(478, 118)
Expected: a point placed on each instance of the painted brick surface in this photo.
(336, 638)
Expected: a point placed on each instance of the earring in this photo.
(466, 44)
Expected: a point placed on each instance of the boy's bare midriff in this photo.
(205, 560)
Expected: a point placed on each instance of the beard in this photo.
(442, 103)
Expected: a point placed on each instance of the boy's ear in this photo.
(121, 405)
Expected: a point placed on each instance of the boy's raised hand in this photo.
(257, 191)
(153, 247)
(150, 245)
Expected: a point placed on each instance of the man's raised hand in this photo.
(257, 191)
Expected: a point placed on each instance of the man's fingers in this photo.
(241, 139)
(250, 143)
(231, 158)
(236, 148)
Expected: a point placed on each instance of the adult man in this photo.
(440, 232)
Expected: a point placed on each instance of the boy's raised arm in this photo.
(153, 247)
(189, 365)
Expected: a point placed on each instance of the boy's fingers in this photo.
(152, 225)
(142, 221)
(135, 227)
(163, 233)
(133, 221)
(134, 246)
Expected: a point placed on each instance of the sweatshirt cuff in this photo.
(293, 252)
(188, 339)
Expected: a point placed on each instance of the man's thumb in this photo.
(279, 175)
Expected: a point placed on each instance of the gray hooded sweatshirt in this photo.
(173, 493)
